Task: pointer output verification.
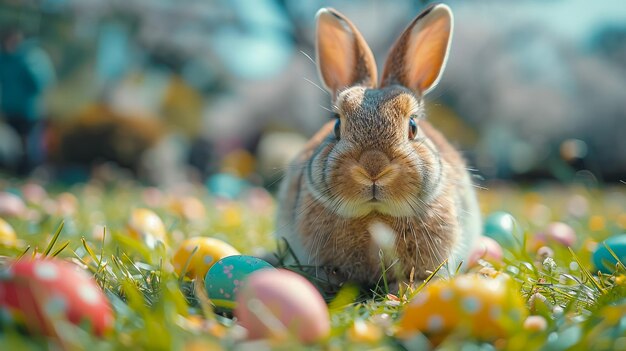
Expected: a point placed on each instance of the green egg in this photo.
(501, 227)
(226, 277)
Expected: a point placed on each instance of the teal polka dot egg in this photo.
(226, 278)
(602, 257)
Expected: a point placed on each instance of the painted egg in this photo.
(152, 196)
(41, 291)
(535, 323)
(275, 303)
(556, 232)
(226, 277)
(501, 226)
(202, 345)
(365, 332)
(240, 162)
(486, 249)
(602, 258)
(146, 226)
(67, 204)
(260, 201)
(485, 308)
(7, 234)
(209, 251)
(34, 193)
(188, 207)
(11, 205)
(226, 185)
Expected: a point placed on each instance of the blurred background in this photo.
(219, 91)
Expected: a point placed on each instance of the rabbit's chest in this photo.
(358, 248)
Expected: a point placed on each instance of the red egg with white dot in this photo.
(40, 292)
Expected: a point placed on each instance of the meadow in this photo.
(572, 304)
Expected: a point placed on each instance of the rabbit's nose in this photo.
(374, 163)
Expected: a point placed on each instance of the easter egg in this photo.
(486, 249)
(209, 251)
(11, 205)
(188, 207)
(485, 308)
(364, 332)
(7, 234)
(226, 277)
(40, 292)
(501, 227)
(152, 196)
(275, 303)
(225, 185)
(535, 323)
(34, 193)
(146, 226)
(560, 233)
(602, 258)
(67, 204)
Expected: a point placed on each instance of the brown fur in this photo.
(338, 187)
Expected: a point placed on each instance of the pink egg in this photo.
(487, 249)
(560, 233)
(34, 193)
(11, 205)
(278, 302)
(260, 200)
(152, 196)
(39, 292)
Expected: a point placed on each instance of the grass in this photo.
(157, 310)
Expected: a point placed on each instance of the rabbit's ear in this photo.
(343, 57)
(419, 55)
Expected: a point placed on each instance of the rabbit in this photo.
(379, 161)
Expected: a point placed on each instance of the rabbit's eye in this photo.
(337, 128)
(412, 129)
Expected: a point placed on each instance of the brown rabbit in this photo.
(379, 160)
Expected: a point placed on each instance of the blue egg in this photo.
(501, 227)
(227, 276)
(602, 258)
(226, 185)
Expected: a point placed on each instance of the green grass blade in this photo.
(90, 251)
(60, 249)
(19, 257)
(586, 272)
(55, 237)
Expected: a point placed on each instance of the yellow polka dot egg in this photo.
(207, 252)
(471, 305)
